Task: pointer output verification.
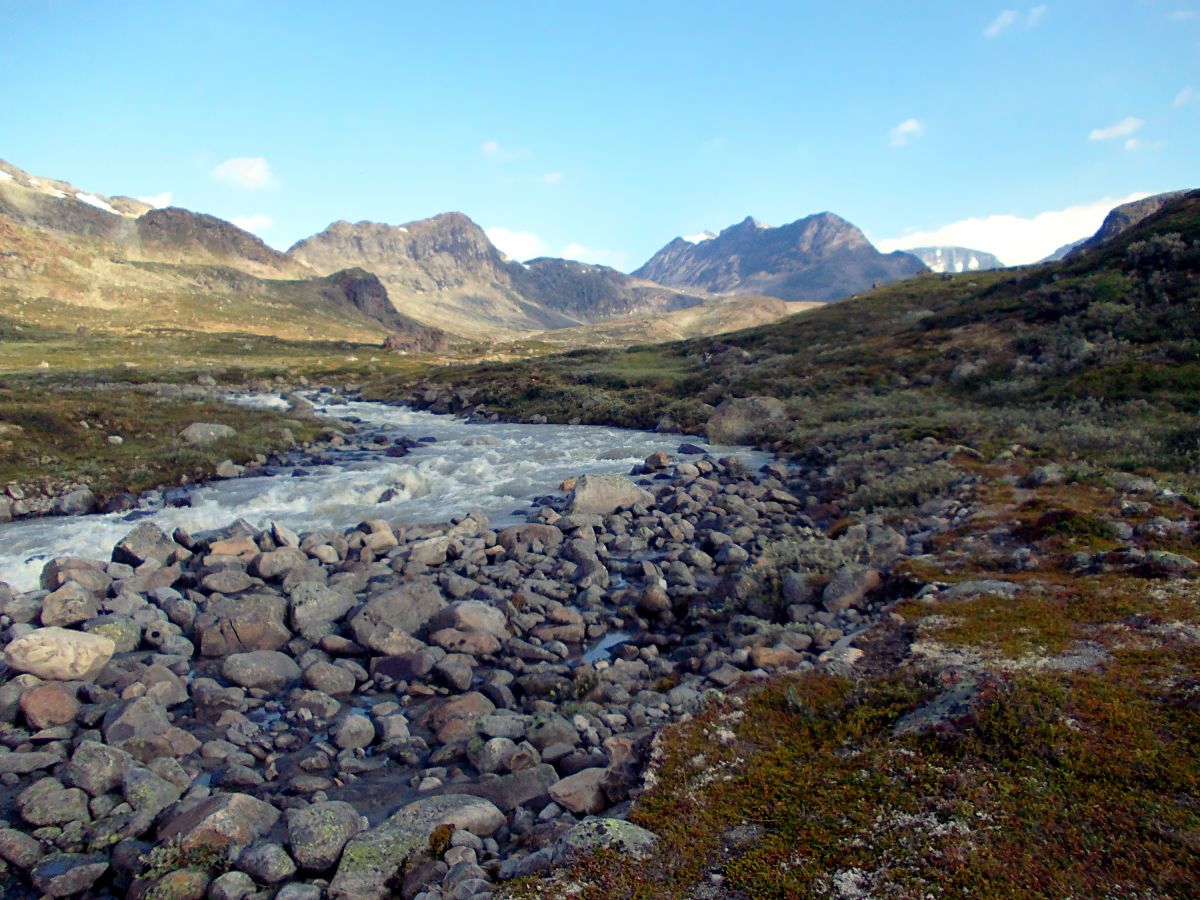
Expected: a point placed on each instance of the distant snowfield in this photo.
(4, 176)
(699, 238)
(93, 200)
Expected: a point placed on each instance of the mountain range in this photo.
(69, 256)
(955, 259)
(819, 257)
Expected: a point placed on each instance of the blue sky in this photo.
(600, 131)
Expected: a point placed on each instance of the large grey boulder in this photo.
(603, 494)
(269, 670)
(745, 420)
(146, 542)
(201, 433)
(388, 621)
(58, 654)
(372, 858)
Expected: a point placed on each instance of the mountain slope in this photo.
(955, 259)
(820, 257)
(444, 271)
(1121, 218)
(71, 258)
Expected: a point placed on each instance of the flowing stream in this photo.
(497, 469)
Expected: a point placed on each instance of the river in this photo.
(494, 468)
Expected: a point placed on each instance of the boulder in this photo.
(67, 874)
(473, 615)
(57, 654)
(97, 768)
(145, 543)
(312, 604)
(268, 670)
(142, 729)
(604, 494)
(849, 586)
(596, 834)
(78, 502)
(48, 705)
(252, 622)
(746, 420)
(201, 433)
(374, 857)
(224, 822)
(388, 620)
(318, 833)
(69, 605)
(581, 793)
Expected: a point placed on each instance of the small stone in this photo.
(354, 732)
(581, 793)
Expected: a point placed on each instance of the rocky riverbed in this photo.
(426, 710)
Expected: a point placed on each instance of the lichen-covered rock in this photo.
(388, 621)
(269, 670)
(201, 433)
(374, 857)
(745, 420)
(318, 833)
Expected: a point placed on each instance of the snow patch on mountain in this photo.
(93, 200)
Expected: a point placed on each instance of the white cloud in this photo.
(256, 222)
(250, 172)
(1001, 23)
(906, 132)
(497, 151)
(518, 245)
(1184, 97)
(553, 177)
(1123, 128)
(1016, 240)
(1010, 18)
(158, 201)
(617, 259)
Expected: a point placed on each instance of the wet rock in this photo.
(354, 732)
(147, 542)
(455, 719)
(268, 670)
(66, 874)
(60, 655)
(329, 679)
(78, 502)
(374, 857)
(318, 833)
(605, 494)
(226, 822)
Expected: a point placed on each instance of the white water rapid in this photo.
(497, 469)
